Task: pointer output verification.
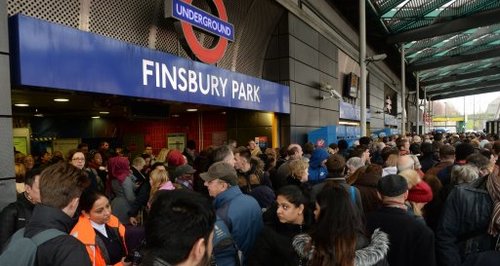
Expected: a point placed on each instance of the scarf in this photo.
(493, 187)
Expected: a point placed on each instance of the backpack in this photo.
(22, 250)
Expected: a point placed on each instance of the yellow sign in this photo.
(448, 119)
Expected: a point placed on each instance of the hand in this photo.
(133, 221)
(126, 263)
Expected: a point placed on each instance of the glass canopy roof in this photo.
(453, 44)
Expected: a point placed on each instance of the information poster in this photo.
(176, 141)
(21, 144)
(65, 145)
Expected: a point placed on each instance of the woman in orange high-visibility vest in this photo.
(100, 231)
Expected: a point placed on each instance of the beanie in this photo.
(421, 192)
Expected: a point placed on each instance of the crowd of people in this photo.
(429, 200)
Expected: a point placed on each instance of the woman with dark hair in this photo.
(101, 232)
(289, 217)
(338, 237)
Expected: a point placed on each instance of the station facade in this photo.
(263, 69)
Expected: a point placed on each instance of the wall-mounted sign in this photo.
(50, 55)
(190, 16)
(352, 112)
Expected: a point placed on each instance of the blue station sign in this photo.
(49, 55)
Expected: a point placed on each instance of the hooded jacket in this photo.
(317, 170)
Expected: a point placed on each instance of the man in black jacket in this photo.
(60, 188)
(411, 242)
(17, 214)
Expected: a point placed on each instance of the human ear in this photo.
(198, 251)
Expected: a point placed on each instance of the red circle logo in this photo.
(207, 55)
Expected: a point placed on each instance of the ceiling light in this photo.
(96, 117)
(175, 115)
(223, 113)
(104, 113)
(192, 110)
(39, 115)
(21, 105)
(61, 100)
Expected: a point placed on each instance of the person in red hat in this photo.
(418, 196)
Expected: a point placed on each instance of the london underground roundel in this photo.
(190, 17)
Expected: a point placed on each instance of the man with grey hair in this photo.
(464, 174)
(241, 213)
(353, 164)
(224, 154)
(405, 162)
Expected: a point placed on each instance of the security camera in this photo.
(375, 58)
(325, 86)
(335, 94)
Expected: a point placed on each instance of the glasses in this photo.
(78, 159)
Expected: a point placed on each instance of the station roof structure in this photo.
(454, 45)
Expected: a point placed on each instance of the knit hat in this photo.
(222, 171)
(175, 158)
(421, 192)
(392, 185)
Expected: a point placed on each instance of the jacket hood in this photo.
(371, 254)
(375, 251)
(318, 156)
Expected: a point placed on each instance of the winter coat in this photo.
(411, 242)
(14, 217)
(241, 214)
(63, 250)
(463, 226)
(96, 249)
(373, 252)
(367, 185)
(274, 244)
(124, 197)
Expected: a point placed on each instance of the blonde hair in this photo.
(392, 160)
(411, 177)
(162, 155)
(158, 177)
(298, 167)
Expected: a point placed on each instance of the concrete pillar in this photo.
(7, 182)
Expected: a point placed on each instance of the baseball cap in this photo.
(222, 171)
(183, 169)
(392, 185)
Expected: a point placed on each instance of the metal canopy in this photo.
(453, 44)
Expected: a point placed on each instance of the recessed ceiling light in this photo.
(192, 110)
(104, 112)
(96, 117)
(175, 115)
(21, 104)
(39, 115)
(61, 100)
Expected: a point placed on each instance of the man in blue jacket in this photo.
(241, 213)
